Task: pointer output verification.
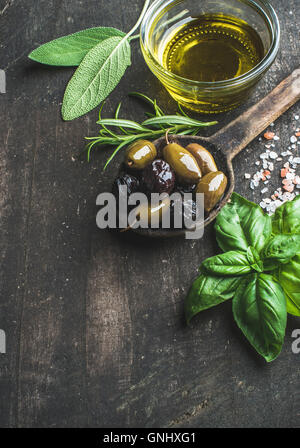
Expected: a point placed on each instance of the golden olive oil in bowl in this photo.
(210, 55)
(213, 47)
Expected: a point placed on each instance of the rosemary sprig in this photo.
(156, 125)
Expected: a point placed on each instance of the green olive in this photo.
(204, 158)
(183, 163)
(150, 214)
(139, 154)
(213, 185)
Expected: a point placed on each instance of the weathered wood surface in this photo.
(94, 321)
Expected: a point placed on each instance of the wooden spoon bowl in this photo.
(229, 141)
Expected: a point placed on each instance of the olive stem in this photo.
(136, 36)
(167, 134)
(129, 227)
(125, 230)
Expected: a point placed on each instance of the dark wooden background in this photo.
(94, 321)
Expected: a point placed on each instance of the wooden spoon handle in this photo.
(236, 136)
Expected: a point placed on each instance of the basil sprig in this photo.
(260, 271)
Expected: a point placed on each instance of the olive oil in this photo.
(212, 47)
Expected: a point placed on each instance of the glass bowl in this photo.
(165, 16)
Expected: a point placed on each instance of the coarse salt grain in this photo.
(290, 180)
(297, 180)
(290, 176)
(293, 139)
(286, 182)
(289, 188)
(264, 155)
(283, 172)
(269, 135)
(273, 155)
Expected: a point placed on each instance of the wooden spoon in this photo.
(232, 139)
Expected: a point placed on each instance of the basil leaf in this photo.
(229, 263)
(254, 259)
(242, 223)
(289, 278)
(286, 219)
(271, 265)
(259, 309)
(70, 50)
(96, 77)
(282, 248)
(208, 291)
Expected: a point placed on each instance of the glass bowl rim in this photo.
(270, 16)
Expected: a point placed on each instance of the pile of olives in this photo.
(178, 169)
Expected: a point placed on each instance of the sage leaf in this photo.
(241, 224)
(68, 51)
(208, 291)
(259, 309)
(289, 278)
(96, 77)
(229, 263)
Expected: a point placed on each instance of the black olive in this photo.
(188, 209)
(127, 180)
(158, 177)
(182, 189)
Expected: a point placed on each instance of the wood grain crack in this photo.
(189, 415)
(8, 5)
